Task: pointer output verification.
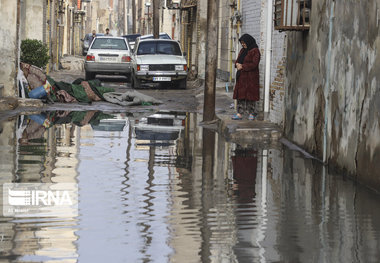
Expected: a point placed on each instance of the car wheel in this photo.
(182, 84)
(128, 76)
(89, 75)
(136, 83)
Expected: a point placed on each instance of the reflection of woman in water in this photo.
(244, 165)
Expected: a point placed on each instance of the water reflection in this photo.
(31, 152)
(155, 187)
(244, 163)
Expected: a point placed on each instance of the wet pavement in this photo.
(157, 187)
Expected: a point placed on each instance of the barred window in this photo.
(292, 14)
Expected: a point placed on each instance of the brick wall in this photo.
(277, 86)
(251, 16)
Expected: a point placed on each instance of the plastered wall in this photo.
(337, 87)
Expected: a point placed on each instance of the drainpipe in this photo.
(18, 50)
(327, 86)
(231, 39)
(48, 37)
(268, 56)
(125, 13)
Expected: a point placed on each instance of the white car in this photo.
(158, 60)
(108, 56)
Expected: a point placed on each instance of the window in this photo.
(159, 47)
(109, 43)
(292, 14)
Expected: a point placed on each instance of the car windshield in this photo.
(109, 43)
(159, 47)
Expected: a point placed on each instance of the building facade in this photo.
(9, 34)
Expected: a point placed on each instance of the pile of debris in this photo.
(38, 85)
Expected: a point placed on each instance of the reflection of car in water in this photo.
(116, 124)
(162, 126)
(166, 130)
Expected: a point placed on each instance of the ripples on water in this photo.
(179, 201)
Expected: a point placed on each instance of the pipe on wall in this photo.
(327, 86)
(268, 57)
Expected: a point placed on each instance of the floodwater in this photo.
(160, 188)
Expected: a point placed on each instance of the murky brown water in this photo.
(186, 196)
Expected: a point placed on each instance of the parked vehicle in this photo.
(158, 60)
(161, 36)
(87, 42)
(108, 56)
(131, 38)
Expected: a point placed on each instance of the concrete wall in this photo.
(167, 24)
(201, 38)
(224, 41)
(8, 46)
(32, 22)
(353, 94)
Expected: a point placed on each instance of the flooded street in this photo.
(156, 187)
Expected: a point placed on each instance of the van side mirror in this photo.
(184, 54)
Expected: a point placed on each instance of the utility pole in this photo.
(156, 19)
(54, 35)
(125, 17)
(211, 60)
(147, 4)
(134, 16)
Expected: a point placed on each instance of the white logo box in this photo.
(40, 199)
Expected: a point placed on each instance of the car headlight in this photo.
(179, 67)
(143, 67)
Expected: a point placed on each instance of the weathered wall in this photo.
(224, 50)
(201, 38)
(8, 46)
(32, 22)
(353, 95)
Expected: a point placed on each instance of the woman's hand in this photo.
(239, 66)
